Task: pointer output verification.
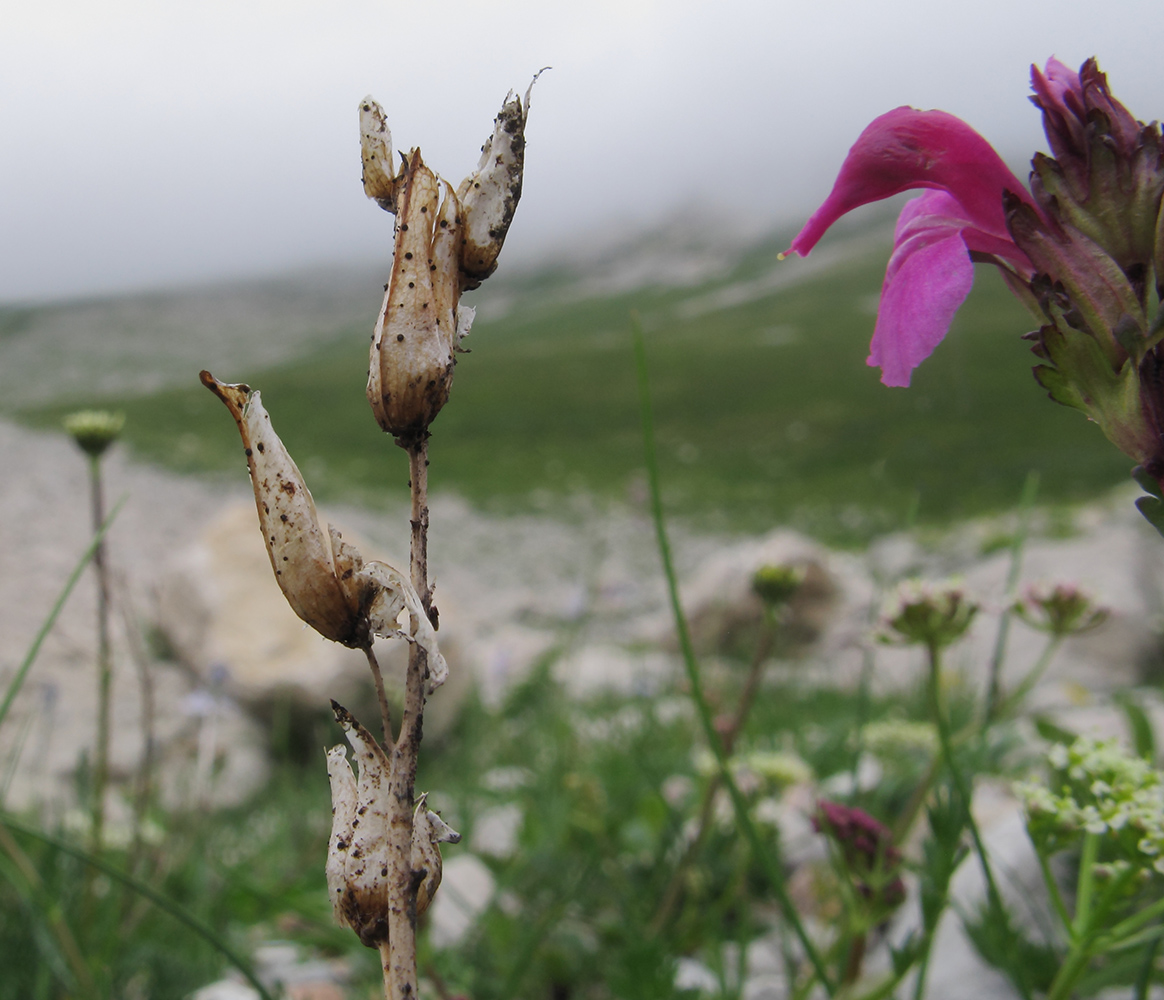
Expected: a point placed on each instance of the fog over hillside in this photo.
(150, 144)
(141, 342)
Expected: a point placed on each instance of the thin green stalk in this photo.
(1086, 940)
(884, 988)
(1144, 977)
(1146, 936)
(1053, 891)
(691, 665)
(1015, 698)
(864, 703)
(1084, 884)
(1135, 922)
(17, 752)
(66, 941)
(675, 886)
(535, 935)
(1026, 504)
(34, 650)
(164, 903)
(1069, 972)
(923, 968)
(964, 792)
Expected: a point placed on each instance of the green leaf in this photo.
(1059, 387)
(1147, 481)
(1140, 726)
(1052, 732)
(1001, 943)
(904, 957)
(1153, 511)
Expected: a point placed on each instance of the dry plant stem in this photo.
(855, 959)
(751, 686)
(398, 955)
(381, 697)
(104, 664)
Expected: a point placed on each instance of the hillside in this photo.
(766, 410)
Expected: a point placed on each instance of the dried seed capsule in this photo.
(490, 194)
(446, 242)
(358, 858)
(411, 366)
(324, 578)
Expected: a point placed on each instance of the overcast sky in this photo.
(160, 143)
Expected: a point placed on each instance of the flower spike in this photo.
(1081, 249)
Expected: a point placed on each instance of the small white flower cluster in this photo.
(1102, 790)
(759, 769)
(895, 739)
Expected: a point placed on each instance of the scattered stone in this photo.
(495, 831)
(282, 968)
(724, 613)
(467, 888)
(203, 755)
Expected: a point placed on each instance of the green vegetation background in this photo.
(766, 410)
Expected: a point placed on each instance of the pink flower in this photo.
(866, 849)
(960, 219)
(1083, 249)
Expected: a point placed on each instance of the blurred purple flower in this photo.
(866, 848)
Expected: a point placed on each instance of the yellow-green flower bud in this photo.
(94, 430)
(932, 614)
(776, 585)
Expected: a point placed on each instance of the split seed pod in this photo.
(324, 578)
(358, 864)
(411, 368)
(490, 194)
(446, 242)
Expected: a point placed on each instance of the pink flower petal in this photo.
(928, 278)
(938, 209)
(906, 149)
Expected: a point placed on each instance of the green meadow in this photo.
(766, 411)
(765, 414)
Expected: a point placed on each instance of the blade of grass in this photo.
(34, 650)
(70, 953)
(965, 791)
(1026, 505)
(759, 851)
(164, 903)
